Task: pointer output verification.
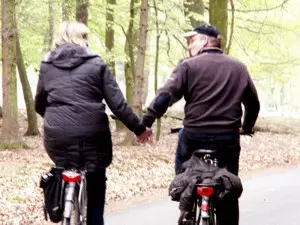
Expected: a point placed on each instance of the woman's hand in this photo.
(146, 136)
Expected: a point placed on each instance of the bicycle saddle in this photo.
(205, 151)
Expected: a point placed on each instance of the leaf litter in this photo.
(136, 171)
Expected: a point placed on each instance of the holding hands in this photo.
(146, 136)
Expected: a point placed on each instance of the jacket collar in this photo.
(210, 50)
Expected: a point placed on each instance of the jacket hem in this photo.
(212, 130)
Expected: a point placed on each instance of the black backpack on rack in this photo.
(52, 185)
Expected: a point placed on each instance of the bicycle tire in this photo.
(205, 221)
(75, 214)
(83, 203)
(212, 220)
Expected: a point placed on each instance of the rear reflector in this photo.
(70, 176)
(205, 191)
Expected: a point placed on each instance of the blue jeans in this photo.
(96, 187)
(228, 153)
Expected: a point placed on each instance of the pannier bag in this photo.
(52, 185)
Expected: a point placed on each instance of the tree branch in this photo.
(264, 24)
(243, 48)
(287, 62)
(263, 10)
(165, 22)
(180, 42)
(123, 29)
(253, 31)
(168, 48)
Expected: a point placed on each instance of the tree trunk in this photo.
(51, 23)
(129, 50)
(229, 41)
(31, 115)
(194, 7)
(129, 83)
(218, 16)
(158, 34)
(109, 43)
(282, 95)
(129, 138)
(9, 133)
(129, 67)
(50, 30)
(140, 59)
(82, 11)
(146, 84)
(66, 10)
(110, 35)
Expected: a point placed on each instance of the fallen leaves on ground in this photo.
(135, 171)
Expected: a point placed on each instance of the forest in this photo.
(142, 41)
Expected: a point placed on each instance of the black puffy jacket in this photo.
(73, 83)
(182, 188)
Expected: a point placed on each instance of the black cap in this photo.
(206, 29)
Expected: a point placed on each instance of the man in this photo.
(214, 86)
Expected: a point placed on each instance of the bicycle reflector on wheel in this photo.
(205, 191)
(71, 176)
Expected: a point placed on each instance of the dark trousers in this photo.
(228, 152)
(96, 187)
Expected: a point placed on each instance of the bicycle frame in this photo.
(83, 200)
(204, 193)
(206, 207)
(74, 184)
(204, 204)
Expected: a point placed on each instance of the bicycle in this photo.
(203, 212)
(75, 197)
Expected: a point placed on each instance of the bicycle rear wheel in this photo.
(205, 221)
(83, 199)
(209, 221)
(71, 206)
(75, 214)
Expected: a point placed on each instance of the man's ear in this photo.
(205, 40)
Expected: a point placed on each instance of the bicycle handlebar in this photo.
(174, 130)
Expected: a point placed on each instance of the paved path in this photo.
(273, 199)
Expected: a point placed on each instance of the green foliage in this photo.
(265, 34)
(32, 20)
(265, 38)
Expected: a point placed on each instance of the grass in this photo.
(278, 125)
(13, 145)
(16, 199)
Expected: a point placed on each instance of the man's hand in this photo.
(243, 132)
(146, 136)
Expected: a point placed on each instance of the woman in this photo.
(72, 84)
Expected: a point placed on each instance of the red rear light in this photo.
(70, 176)
(205, 191)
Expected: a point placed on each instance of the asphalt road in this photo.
(271, 199)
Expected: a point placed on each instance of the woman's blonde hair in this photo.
(74, 32)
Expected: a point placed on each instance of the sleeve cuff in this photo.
(139, 130)
(147, 122)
